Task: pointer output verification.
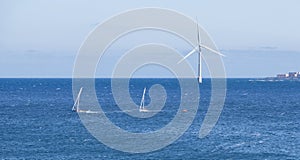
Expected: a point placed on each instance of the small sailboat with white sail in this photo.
(142, 104)
(75, 107)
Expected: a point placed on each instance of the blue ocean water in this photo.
(260, 120)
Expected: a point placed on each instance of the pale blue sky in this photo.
(41, 38)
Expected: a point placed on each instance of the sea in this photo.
(260, 120)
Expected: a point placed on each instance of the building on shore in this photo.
(289, 75)
(282, 75)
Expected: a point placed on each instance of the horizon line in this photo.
(129, 78)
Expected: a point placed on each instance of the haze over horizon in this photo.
(41, 38)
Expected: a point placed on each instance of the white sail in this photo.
(76, 104)
(142, 104)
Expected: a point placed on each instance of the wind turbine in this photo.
(198, 49)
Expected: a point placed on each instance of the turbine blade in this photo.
(190, 53)
(198, 35)
(212, 50)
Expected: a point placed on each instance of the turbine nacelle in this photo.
(197, 50)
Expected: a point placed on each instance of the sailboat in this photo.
(76, 104)
(142, 104)
(75, 107)
(198, 49)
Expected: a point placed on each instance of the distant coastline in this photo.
(286, 76)
(280, 76)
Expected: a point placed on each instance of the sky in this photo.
(41, 38)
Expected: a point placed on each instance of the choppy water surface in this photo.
(260, 120)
